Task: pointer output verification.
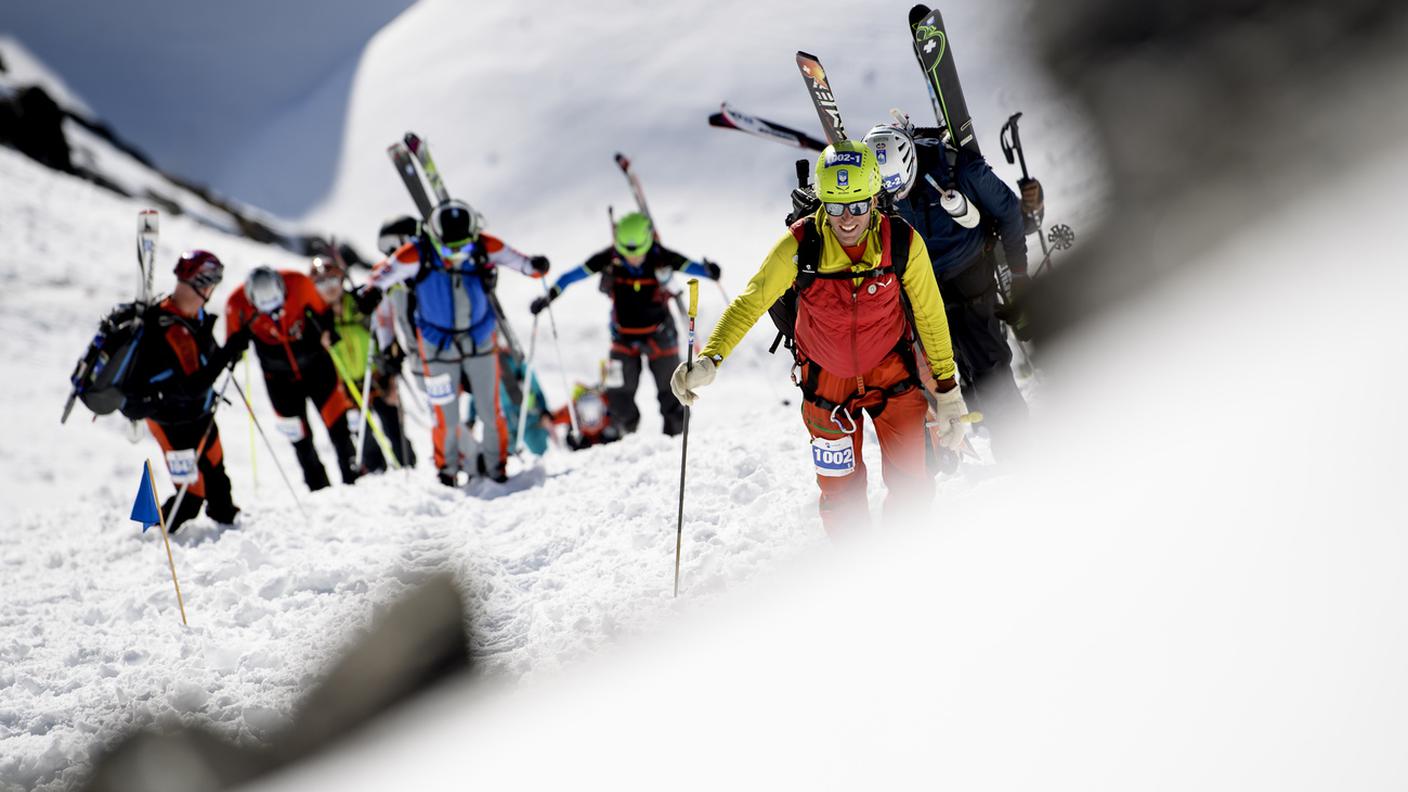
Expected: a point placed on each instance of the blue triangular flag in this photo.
(144, 509)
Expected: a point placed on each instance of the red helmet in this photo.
(199, 268)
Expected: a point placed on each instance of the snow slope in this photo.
(90, 640)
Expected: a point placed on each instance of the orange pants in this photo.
(837, 440)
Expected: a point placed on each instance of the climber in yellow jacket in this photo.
(854, 269)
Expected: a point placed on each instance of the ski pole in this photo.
(527, 385)
(362, 420)
(277, 464)
(200, 447)
(552, 323)
(253, 461)
(684, 444)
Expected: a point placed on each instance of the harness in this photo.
(805, 374)
(484, 269)
(619, 274)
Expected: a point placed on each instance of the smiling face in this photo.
(848, 228)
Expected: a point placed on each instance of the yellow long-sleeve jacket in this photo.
(779, 271)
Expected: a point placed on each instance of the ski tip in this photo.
(412, 140)
(917, 14)
(804, 55)
(719, 120)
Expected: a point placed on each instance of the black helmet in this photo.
(454, 224)
(395, 232)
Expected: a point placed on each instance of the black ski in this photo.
(935, 55)
(636, 190)
(822, 98)
(406, 166)
(1061, 237)
(730, 118)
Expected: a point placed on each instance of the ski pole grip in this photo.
(804, 173)
(693, 297)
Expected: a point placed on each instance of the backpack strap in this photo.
(808, 252)
(901, 234)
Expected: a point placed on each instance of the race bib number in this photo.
(182, 466)
(292, 428)
(615, 373)
(440, 389)
(834, 458)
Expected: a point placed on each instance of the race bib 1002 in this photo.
(182, 466)
(833, 458)
(440, 389)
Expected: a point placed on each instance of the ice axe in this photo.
(1061, 236)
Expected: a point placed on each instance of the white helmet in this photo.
(265, 289)
(894, 152)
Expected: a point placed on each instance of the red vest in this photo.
(848, 329)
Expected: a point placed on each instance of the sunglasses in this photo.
(857, 209)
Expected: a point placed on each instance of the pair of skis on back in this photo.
(824, 100)
(934, 53)
(411, 156)
(148, 227)
(941, 78)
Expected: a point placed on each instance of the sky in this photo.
(178, 79)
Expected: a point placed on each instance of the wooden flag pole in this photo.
(171, 561)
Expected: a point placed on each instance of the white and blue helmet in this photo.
(894, 153)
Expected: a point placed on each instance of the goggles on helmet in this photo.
(206, 278)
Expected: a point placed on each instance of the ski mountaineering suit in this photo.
(853, 343)
(172, 384)
(297, 368)
(641, 326)
(964, 262)
(455, 335)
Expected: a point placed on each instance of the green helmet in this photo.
(634, 235)
(847, 172)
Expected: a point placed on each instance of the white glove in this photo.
(685, 379)
(948, 409)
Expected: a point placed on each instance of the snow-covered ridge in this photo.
(87, 147)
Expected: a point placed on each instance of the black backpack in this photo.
(784, 311)
(100, 377)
